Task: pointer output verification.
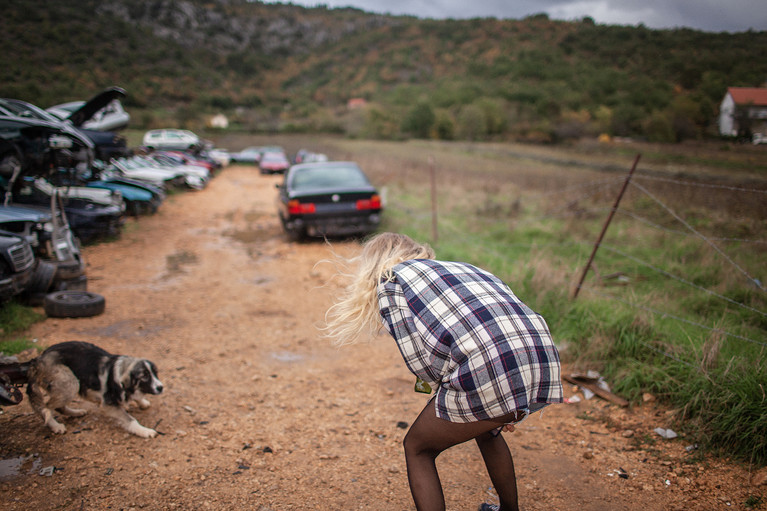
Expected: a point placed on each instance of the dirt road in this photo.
(261, 413)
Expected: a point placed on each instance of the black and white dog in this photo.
(70, 368)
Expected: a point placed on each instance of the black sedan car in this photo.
(328, 199)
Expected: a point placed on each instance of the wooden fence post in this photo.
(433, 177)
(604, 227)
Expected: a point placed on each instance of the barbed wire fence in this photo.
(578, 194)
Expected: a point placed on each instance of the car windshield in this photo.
(328, 177)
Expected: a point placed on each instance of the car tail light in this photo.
(373, 202)
(296, 207)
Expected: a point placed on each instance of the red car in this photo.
(273, 163)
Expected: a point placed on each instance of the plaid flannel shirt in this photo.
(464, 331)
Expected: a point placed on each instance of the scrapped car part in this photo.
(74, 304)
(149, 172)
(103, 112)
(41, 145)
(105, 144)
(13, 375)
(17, 263)
(40, 283)
(74, 284)
(91, 213)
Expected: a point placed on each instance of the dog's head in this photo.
(143, 378)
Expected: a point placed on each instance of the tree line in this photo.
(283, 68)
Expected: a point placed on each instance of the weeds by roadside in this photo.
(15, 319)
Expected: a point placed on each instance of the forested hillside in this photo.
(289, 68)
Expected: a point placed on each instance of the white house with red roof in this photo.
(743, 112)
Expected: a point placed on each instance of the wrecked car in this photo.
(92, 213)
(106, 144)
(103, 112)
(17, 263)
(61, 265)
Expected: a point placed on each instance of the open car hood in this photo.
(93, 105)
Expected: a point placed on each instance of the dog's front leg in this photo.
(52, 423)
(129, 423)
(142, 402)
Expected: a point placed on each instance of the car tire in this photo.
(74, 284)
(42, 279)
(66, 270)
(74, 304)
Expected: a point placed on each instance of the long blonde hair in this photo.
(356, 309)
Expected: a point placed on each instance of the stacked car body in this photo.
(65, 181)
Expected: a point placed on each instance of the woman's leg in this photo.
(430, 435)
(500, 468)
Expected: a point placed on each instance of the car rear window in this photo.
(328, 177)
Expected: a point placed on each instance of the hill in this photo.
(277, 67)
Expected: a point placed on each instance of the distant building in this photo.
(743, 112)
(218, 121)
(356, 103)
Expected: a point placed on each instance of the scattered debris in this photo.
(592, 384)
(668, 434)
(47, 471)
(620, 473)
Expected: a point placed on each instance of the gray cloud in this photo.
(708, 15)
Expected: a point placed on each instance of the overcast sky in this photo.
(708, 15)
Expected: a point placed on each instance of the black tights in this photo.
(429, 436)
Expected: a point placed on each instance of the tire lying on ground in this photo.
(73, 304)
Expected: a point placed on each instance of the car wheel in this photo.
(74, 304)
(40, 283)
(74, 284)
(69, 269)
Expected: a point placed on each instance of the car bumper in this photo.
(335, 226)
(15, 284)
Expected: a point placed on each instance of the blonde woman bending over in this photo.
(463, 332)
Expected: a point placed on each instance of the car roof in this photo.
(273, 155)
(322, 164)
